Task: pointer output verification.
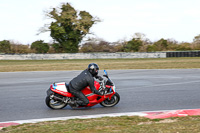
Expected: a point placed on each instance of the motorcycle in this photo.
(59, 97)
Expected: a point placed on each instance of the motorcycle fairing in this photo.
(95, 99)
(61, 89)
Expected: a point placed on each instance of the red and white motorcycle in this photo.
(58, 96)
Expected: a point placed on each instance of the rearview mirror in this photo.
(105, 72)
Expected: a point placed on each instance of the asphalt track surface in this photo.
(22, 94)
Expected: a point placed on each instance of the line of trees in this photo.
(70, 26)
(137, 44)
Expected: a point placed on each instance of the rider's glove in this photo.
(97, 92)
(99, 77)
(102, 92)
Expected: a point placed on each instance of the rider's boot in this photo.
(73, 104)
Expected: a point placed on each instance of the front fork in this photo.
(110, 91)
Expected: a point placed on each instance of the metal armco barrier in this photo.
(183, 54)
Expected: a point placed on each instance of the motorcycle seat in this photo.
(67, 86)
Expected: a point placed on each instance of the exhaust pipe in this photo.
(58, 98)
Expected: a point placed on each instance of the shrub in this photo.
(40, 46)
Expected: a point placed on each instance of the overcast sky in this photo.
(168, 19)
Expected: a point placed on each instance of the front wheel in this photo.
(54, 104)
(111, 102)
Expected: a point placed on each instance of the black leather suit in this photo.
(83, 80)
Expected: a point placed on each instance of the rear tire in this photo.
(112, 102)
(54, 104)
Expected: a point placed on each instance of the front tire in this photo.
(112, 102)
(54, 104)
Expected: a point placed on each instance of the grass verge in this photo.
(81, 64)
(123, 124)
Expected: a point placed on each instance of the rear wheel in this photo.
(111, 102)
(54, 104)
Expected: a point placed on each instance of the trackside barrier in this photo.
(81, 56)
(119, 55)
(183, 54)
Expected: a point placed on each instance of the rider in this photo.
(84, 79)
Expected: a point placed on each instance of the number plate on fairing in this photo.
(60, 86)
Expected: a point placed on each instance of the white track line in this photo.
(77, 117)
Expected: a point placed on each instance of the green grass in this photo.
(80, 64)
(124, 124)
